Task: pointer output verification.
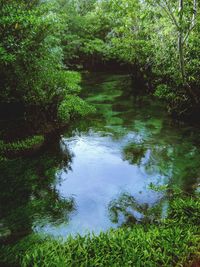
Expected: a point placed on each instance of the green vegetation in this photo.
(31, 60)
(41, 41)
(43, 47)
(72, 107)
(31, 143)
(175, 242)
(157, 39)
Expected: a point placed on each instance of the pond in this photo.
(99, 174)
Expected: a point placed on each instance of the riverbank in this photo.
(174, 242)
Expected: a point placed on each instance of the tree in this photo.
(32, 72)
(179, 20)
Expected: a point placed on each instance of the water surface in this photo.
(98, 175)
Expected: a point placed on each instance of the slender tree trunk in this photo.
(194, 13)
(182, 37)
(180, 42)
(181, 56)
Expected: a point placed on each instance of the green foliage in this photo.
(162, 90)
(185, 210)
(170, 244)
(143, 34)
(72, 82)
(30, 50)
(158, 188)
(36, 38)
(31, 56)
(73, 106)
(21, 145)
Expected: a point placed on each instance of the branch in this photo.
(193, 20)
(188, 33)
(169, 11)
(194, 13)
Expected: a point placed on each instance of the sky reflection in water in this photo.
(116, 154)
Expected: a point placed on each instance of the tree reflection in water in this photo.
(178, 164)
(126, 211)
(29, 197)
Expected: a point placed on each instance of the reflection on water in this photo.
(29, 198)
(125, 210)
(98, 174)
(118, 153)
(113, 156)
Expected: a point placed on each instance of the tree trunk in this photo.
(194, 13)
(180, 42)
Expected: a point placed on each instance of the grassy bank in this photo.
(174, 242)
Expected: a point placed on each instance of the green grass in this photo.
(154, 246)
(174, 242)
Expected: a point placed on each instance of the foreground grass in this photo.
(175, 242)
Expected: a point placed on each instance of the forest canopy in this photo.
(159, 40)
(40, 41)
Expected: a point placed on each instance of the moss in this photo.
(20, 146)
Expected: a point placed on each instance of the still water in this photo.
(99, 174)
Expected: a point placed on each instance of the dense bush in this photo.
(31, 58)
(37, 37)
(159, 42)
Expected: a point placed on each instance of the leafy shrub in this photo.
(73, 106)
(21, 145)
(31, 57)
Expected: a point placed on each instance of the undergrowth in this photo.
(21, 145)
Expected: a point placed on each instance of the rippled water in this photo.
(100, 173)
